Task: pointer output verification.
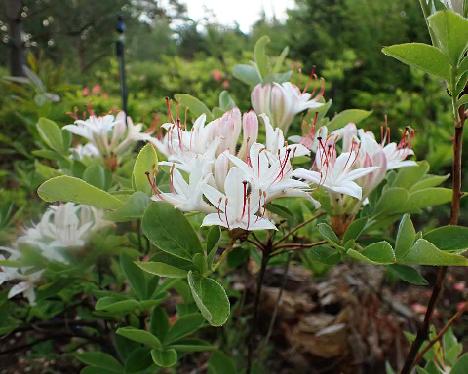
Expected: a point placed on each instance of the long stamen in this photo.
(153, 185)
(245, 198)
(225, 213)
(171, 178)
(218, 208)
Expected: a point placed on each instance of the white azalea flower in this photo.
(335, 174)
(240, 206)
(110, 136)
(64, 226)
(25, 277)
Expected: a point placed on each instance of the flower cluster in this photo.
(109, 137)
(220, 168)
(61, 228)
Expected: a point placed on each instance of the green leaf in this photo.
(96, 370)
(139, 336)
(380, 253)
(168, 229)
(165, 358)
(324, 254)
(354, 231)
(96, 176)
(133, 208)
(449, 238)
(247, 74)
(463, 100)
(210, 298)
(50, 134)
(161, 269)
(280, 60)
(405, 237)
(260, 57)
(193, 345)
(408, 274)
(428, 197)
(348, 116)
(429, 181)
(134, 275)
(116, 305)
(214, 235)
(425, 253)
(226, 102)
(450, 30)
(146, 162)
(461, 366)
(159, 323)
(393, 200)
(101, 360)
(66, 188)
(138, 360)
(327, 233)
(221, 363)
(423, 56)
(195, 106)
(184, 326)
(407, 177)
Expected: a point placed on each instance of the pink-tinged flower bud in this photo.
(281, 102)
(261, 99)
(221, 168)
(228, 129)
(372, 180)
(250, 133)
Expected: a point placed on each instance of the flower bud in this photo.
(250, 133)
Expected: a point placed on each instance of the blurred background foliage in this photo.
(69, 48)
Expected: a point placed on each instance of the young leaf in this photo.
(168, 229)
(449, 238)
(247, 74)
(135, 276)
(327, 233)
(184, 326)
(161, 269)
(407, 273)
(355, 230)
(138, 360)
(408, 176)
(133, 208)
(451, 30)
(96, 175)
(221, 363)
(347, 116)
(116, 305)
(139, 336)
(405, 237)
(101, 360)
(226, 102)
(146, 162)
(195, 106)
(193, 345)
(261, 59)
(65, 188)
(423, 56)
(380, 253)
(159, 323)
(428, 197)
(425, 253)
(210, 298)
(165, 358)
(50, 134)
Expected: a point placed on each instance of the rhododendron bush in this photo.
(130, 257)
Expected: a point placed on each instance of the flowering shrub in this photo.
(136, 231)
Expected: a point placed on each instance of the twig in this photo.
(301, 225)
(292, 246)
(253, 327)
(423, 330)
(439, 336)
(278, 299)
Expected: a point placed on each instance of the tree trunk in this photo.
(13, 11)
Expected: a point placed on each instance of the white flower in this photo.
(240, 206)
(272, 175)
(26, 277)
(335, 174)
(186, 196)
(108, 134)
(82, 152)
(63, 226)
(281, 102)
